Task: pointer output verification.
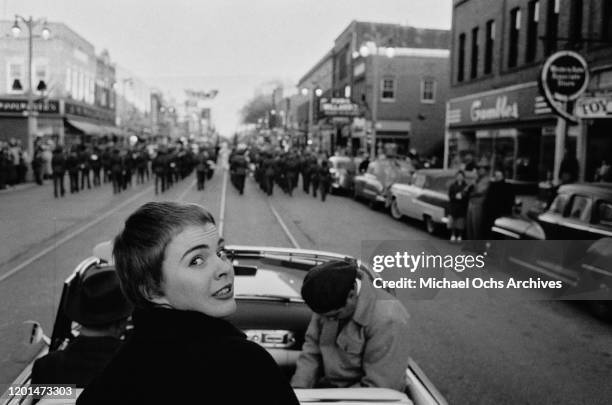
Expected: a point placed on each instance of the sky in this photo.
(234, 46)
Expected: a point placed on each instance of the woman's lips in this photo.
(226, 292)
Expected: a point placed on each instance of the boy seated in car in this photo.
(101, 309)
(357, 336)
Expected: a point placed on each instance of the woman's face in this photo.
(194, 277)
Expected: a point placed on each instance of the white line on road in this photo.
(222, 209)
(184, 193)
(73, 234)
(282, 224)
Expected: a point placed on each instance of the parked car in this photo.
(374, 184)
(425, 198)
(580, 218)
(270, 312)
(343, 170)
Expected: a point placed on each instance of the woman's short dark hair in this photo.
(139, 250)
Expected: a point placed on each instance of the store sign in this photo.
(338, 107)
(564, 77)
(90, 112)
(594, 107)
(501, 110)
(20, 106)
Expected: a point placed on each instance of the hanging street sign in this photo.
(564, 77)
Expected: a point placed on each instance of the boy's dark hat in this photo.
(97, 298)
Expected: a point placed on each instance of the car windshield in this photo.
(272, 283)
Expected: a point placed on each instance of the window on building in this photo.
(347, 91)
(40, 80)
(515, 30)
(16, 82)
(388, 89)
(68, 83)
(75, 84)
(342, 65)
(532, 30)
(606, 26)
(461, 59)
(428, 90)
(474, 56)
(490, 42)
(552, 26)
(576, 13)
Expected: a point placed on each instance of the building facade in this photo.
(314, 85)
(68, 81)
(496, 111)
(411, 69)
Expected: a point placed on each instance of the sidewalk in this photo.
(23, 186)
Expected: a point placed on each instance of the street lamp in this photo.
(364, 51)
(30, 23)
(314, 90)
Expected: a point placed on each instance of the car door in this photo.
(410, 207)
(576, 223)
(602, 218)
(549, 219)
(371, 184)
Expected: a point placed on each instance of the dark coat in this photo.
(185, 357)
(81, 361)
(499, 201)
(458, 206)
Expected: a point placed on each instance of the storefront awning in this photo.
(86, 127)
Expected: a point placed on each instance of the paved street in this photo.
(492, 351)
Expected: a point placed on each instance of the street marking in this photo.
(282, 224)
(222, 209)
(184, 193)
(73, 234)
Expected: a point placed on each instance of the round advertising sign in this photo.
(565, 76)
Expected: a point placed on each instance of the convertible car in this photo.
(271, 313)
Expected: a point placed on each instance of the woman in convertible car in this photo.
(181, 349)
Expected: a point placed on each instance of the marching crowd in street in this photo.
(283, 168)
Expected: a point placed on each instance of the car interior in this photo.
(270, 312)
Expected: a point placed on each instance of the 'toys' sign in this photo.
(564, 77)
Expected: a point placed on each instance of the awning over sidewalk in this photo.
(86, 127)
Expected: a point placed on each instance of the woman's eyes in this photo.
(197, 261)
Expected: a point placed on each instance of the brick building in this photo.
(412, 84)
(496, 111)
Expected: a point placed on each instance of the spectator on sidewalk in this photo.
(458, 196)
(476, 214)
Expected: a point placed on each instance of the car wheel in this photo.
(430, 225)
(394, 210)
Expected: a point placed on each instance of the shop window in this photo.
(515, 30)
(490, 42)
(576, 13)
(606, 26)
(461, 59)
(428, 90)
(16, 76)
(604, 213)
(580, 208)
(552, 26)
(388, 90)
(532, 30)
(474, 55)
